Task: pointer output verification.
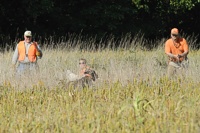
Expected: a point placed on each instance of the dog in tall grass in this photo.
(81, 82)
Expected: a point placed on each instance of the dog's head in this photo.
(93, 74)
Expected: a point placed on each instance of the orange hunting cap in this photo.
(174, 31)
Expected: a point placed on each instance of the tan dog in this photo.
(84, 81)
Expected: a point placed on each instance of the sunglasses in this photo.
(82, 63)
(175, 35)
(28, 36)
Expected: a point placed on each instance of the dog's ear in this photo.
(94, 75)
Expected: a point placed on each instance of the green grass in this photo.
(132, 94)
(135, 107)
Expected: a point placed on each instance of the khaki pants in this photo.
(27, 69)
(177, 69)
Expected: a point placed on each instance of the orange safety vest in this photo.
(31, 52)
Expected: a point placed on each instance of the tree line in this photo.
(153, 18)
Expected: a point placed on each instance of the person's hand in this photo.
(38, 53)
(177, 57)
(87, 75)
(180, 55)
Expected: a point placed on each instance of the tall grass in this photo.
(132, 94)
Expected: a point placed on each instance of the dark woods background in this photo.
(99, 19)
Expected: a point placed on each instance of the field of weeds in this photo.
(132, 94)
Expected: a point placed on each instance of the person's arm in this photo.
(186, 49)
(39, 51)
(84, 72)
(183, 54)
(15, 56)
(168, 51)
(87, 75)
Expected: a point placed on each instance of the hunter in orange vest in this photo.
(31, 52)
(176, 48)
(26, 53)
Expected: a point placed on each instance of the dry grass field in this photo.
(132, 94)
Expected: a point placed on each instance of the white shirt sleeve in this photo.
(15, 56)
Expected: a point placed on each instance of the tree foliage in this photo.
(154, 18)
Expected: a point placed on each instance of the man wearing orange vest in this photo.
(26, 53)
(177, 50)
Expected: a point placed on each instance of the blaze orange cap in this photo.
(174, 31)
